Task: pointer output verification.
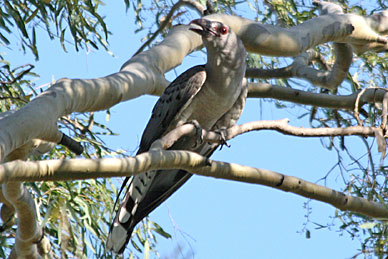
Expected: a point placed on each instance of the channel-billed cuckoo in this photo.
(213, 95)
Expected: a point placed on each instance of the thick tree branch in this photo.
(303, 59)
(71, 169)
(301, 68)
(328, 7)
(16, 198)
(362, 32)
(284, 72)
(144, 73)
(29, 232)
(384, 112)
(262, 38)
(7, 212)
(348, 102)
(327, 79)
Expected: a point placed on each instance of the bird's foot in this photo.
(222, 133)
(198, 133)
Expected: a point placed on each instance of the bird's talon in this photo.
(198, 133)
(222, 138)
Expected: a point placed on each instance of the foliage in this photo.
(79, 18)
(13, 83)
(71, 213)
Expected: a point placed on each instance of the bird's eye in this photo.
(224, 30)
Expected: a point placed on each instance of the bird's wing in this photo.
(147, 190)
(175, 96)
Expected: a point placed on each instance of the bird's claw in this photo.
(198, 133)
(222, 138)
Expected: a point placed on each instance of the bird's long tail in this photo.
(146, 192)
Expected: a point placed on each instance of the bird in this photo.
(211, 95)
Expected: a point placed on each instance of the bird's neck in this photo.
(225, 67)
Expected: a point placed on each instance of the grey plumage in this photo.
(213, 95)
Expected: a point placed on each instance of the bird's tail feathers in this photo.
(125, 220)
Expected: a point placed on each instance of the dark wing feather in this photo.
(175, 96)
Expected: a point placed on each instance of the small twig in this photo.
(338, 122)
(168, 19)
(18, 98)
(384, 113)
(14, 79)
(88, 128)
(76, 125)
(357, 108)
(281, 126)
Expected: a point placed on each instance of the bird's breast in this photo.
(210, 104)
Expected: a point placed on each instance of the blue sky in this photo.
(216, 218)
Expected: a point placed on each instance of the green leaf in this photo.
(158, 229)
(90, 246)
(127, 3)
(93, 44)
(62, 40)
(308, 234)
(33, 44)
(4, 39)
(136, 246)
(368, 225)
(17, 18)
(31, 16)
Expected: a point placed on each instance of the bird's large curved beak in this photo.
(201, 26)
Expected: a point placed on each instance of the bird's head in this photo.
(209, 29)
(213, 33)
(219, 40)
